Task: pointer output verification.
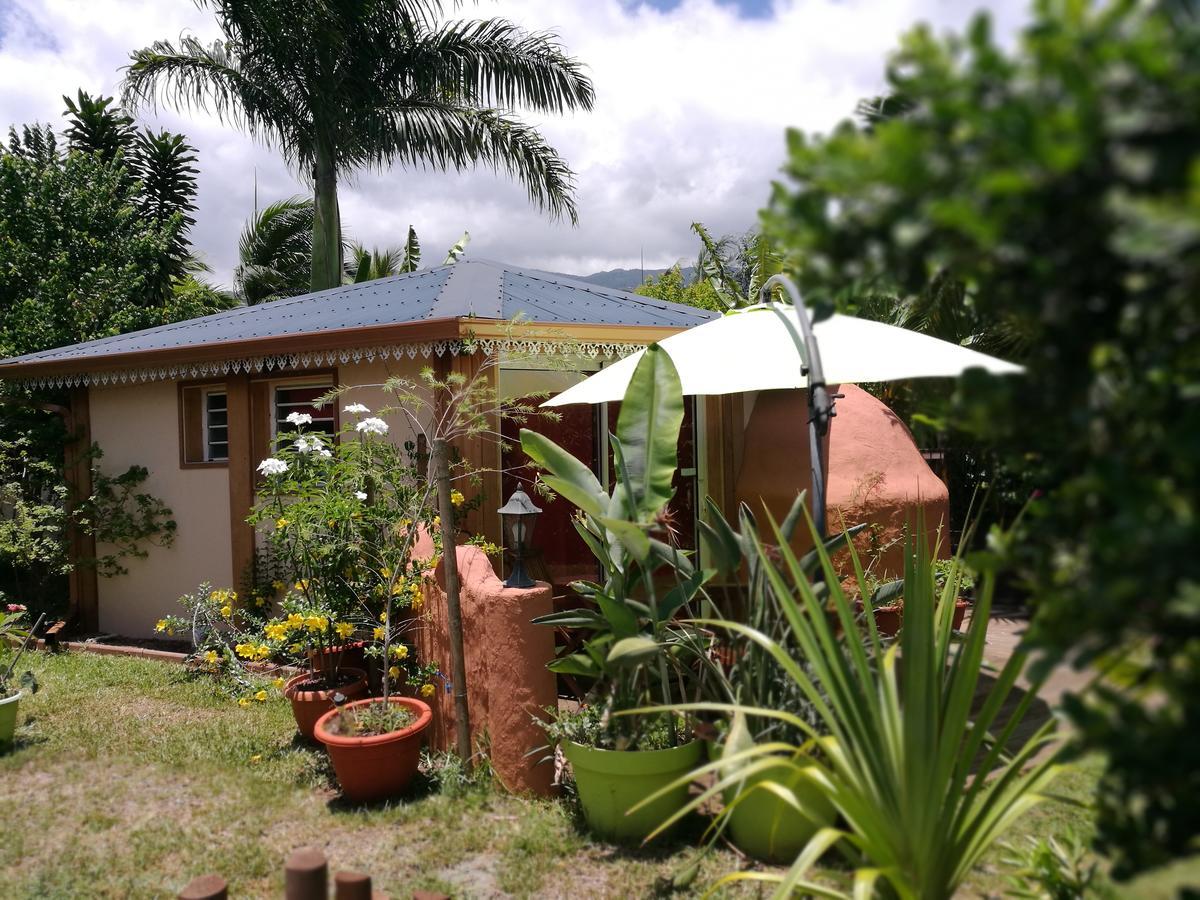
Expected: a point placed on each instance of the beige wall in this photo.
(371, 376)
(139, 425)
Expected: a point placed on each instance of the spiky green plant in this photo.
(916, 758)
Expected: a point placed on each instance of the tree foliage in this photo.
(1050, 194)
(338, 87)
(275, 252)
(670, 286)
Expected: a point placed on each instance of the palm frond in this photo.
(494, 63)
(447, 135)
(217, 79)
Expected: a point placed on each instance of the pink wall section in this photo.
(876, 472)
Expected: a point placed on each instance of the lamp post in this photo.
(519, 516)
(820, 402)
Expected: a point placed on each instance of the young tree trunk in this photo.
(458, 665)
(327, 224)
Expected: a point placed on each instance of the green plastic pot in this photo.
(610, 782)
(767, 827)
(8, 718)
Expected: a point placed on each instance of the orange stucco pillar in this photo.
(507, 679)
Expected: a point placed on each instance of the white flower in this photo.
(356, 409)
(324, 454)
(302, 445)
(361, 495)
(372, 426)
(299, 418)
(272, 466)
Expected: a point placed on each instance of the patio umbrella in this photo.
(775, 345)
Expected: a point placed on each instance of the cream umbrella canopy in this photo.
(774, 345)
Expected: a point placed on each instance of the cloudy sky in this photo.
(692, 100)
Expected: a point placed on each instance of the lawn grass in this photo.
(130, 778)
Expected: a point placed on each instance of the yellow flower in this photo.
(170, 631)
(211, 657)
(261, 696)
(457, 499)
(380, 632)
(295, 620)
(394, 672)
(227, 611)
(262, 651)
(437, 521)
(256, 758)
(418, 601)
(244, 702)
(427, 690)
(276, 631)
(278, 585)
(385, 572)
(277, 682)
(281, 523)
(160, 625)
(398, 589)
(343, 629)
(317, 623)
(301, 585)
(383, 617)
(400, 651)
(245, 651)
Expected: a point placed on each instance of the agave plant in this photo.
(914, 758)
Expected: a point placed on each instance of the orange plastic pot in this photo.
(380, 765)
(309, 706)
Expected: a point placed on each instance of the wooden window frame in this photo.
(202, 412)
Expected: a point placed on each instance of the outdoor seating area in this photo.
(853, 558)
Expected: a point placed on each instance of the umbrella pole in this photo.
(820, 403)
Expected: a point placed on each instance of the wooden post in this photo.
(306, 875)
(458, 665)
(77, 472)
(351, 886)
(241, 476)
(206, 887)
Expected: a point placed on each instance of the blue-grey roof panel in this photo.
(469, 288)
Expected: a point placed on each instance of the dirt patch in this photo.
(475, 877)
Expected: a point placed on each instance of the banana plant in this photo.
(635, 652)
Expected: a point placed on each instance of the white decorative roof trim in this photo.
(321, 359)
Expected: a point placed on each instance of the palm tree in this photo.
(275, 252)
(338, 86)
(367, 265)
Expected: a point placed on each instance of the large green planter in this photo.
(611, 781)
(8, 718)
(767, 827)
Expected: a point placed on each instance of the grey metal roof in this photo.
(473, 288)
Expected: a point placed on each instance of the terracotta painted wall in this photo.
(139, 425)
(876, 472)
(507, 679)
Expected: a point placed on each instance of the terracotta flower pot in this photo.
(378, 765)
(351, 655)
(308, 706)
(960, 611)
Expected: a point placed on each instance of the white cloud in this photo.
(691, 108)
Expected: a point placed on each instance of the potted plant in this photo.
(765, 822)
(13, 631)
(342, 542)
(637, 654)
(956, 572)
(375, 744)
